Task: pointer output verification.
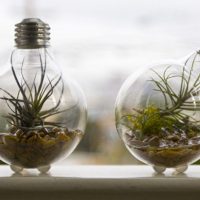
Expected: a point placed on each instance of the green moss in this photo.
(150, 121)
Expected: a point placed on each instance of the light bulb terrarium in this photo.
(42, 114)
(157, 115)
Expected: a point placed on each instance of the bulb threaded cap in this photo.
(32, 33)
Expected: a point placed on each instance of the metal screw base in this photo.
(32, 33)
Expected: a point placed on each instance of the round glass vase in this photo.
(157, 115)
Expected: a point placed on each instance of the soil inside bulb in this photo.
(167, 149)
(39, 147)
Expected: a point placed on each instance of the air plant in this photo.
(177, 104)
(26, 108)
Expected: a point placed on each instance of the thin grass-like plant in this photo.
(187, 97)
(178, 103)
(26, 108)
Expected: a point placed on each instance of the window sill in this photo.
(100, 182)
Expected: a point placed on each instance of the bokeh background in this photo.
(100, 43)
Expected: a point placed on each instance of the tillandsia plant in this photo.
(177, 104)
(33, 139)
(26, 109)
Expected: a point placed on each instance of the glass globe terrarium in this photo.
(157, 115)
(42, 114)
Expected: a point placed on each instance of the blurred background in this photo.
(100, 43)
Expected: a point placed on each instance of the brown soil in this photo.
(170, 150)
(31, 149)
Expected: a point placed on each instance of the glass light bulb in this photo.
(42, 113)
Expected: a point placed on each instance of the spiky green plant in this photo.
(26, 108)
(187, 97)
(177, 104)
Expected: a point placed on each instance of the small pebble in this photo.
(41, 134)
(47, 137)
(30, 133)
(174, 138)
(56, 129)
(137, 143)
(154, 141)
(195, 140)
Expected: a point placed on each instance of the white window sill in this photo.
(100, 182)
